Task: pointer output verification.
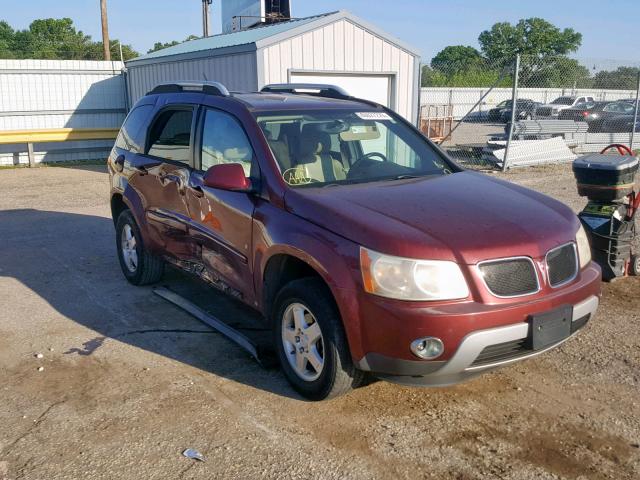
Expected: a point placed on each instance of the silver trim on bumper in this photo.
(460, 368)
(586, 307)
(475, 342)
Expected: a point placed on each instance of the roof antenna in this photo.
(205, 77)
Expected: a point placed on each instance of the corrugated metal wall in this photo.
(236, 72)
(345, 47)
(38, 94)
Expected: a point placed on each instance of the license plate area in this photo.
(550, 327)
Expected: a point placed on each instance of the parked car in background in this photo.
(366, 249)
(525, 109)
(596, 113)
(621, 124)
(553, 109)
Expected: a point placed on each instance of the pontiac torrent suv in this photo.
(366, 249)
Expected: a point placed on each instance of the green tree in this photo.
(52, 38)
(6, 40)
(475, 77)
(556, 72)
(457, 58)
(534, 37)
(622, 78)
(94, 51)
(58, 39)
(160, 46)
(432, 78)
(539, 42)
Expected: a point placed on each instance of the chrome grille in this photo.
(510, 277)
(562, 264)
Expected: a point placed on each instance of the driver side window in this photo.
(224, 141)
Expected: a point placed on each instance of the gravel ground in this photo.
(129, 381)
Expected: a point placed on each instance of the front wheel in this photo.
(634, 266)
(139, 266)
(310, 341)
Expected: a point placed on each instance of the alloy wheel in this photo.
(128, 245)
(302, 341)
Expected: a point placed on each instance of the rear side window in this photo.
(170, 135)
(131, 136)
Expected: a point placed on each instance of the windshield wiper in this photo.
(405, 176)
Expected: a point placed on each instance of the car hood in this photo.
(466, 217)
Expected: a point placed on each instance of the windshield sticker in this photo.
(373, 115)
(296, 176)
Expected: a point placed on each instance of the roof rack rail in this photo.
(210, 88)
(323, 90)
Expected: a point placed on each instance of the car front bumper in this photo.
(464, 365)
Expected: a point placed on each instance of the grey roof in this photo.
(261, 36)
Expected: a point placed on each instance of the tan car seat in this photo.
(315, 157)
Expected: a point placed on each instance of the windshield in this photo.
(563, 101)
(504, 103)
(320, 148)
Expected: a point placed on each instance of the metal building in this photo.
(337, 48)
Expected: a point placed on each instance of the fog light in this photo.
(427, 348)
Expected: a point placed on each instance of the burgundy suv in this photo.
(367, 249)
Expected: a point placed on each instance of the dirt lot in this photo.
(129, 381)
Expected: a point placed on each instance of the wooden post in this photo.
(30, 154)
(106, 47)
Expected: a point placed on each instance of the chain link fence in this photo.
(564, 107)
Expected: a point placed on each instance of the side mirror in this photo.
(227, 176)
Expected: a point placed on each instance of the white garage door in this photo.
(370, 87)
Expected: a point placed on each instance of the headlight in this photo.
(584, 249)
(408, 279)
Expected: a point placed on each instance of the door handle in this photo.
(119, 163)
(196, 190)
(170, 177)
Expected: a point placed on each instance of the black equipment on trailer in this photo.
(608, 181)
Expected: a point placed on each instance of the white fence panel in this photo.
(39, 94)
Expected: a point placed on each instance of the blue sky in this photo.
(609, 27)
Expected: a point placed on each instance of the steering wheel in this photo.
(364, 160)
(371, 155)
(622, 149)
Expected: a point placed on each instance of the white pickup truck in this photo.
(553, 109)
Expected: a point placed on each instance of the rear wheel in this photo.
(310, 341)
(138, 265)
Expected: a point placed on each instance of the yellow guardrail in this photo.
(56, 135)
(9, 137)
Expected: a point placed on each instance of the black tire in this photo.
(338, 374)
(149, 268)
(634, 266)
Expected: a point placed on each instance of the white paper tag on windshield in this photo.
(373, 115)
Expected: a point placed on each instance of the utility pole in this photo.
(635, 113)
(205, 17)
(105, 30)
(514, 105)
